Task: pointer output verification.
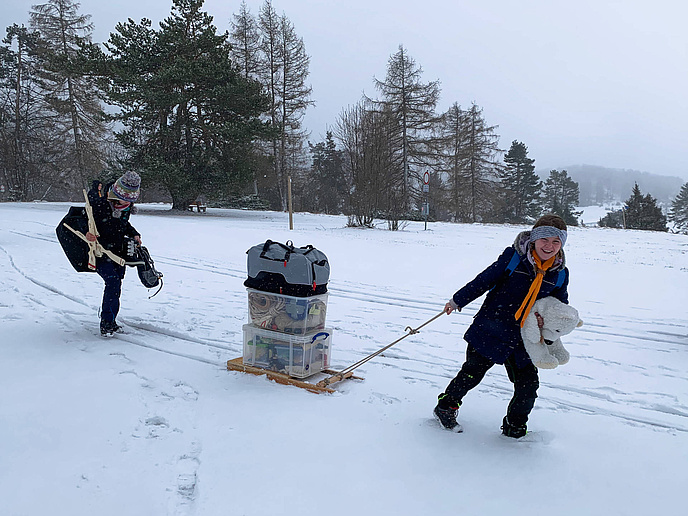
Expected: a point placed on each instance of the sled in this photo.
(71, 233)
(237, 364)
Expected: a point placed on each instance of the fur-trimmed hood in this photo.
(522, 248)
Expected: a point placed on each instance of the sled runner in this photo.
(284, 379)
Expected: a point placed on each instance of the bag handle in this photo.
(288, 250)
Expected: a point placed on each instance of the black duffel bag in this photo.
(288, 270)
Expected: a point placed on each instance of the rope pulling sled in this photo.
(348, 372)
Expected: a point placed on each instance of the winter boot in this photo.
(515, 431)
(108, 329)
(445, 413)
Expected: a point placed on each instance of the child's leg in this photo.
(112, 275)
(470, 375)
(526, 384)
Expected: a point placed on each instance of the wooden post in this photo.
(291, 213)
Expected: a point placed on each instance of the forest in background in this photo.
(218, 117)
(600, 185)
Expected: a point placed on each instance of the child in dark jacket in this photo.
(112, 207)
(494, 337)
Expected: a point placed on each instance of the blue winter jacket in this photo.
(495, 332)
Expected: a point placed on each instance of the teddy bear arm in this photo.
(540, 355)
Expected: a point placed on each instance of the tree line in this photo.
(204, 114)
(642, 212)
(194, 111)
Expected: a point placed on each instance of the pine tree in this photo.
(642, 212)
(412, 105)
(613, 219)
(326, 181)
(562, 196)
(679, 210)
(520, 185)
(190, 116)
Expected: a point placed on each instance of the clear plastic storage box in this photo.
(287, 314)
(299, 356)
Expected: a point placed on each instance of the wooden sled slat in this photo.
(237, 364)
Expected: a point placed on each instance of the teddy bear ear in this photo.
(580, 323)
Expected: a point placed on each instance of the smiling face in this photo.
(547, 247)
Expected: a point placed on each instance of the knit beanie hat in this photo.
(127, 187)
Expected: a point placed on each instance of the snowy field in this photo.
(151, 422)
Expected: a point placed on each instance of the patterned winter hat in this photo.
(127, 187)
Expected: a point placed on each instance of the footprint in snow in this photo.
(387, 400)
(187, 480)
(154, 428)
(181, 390)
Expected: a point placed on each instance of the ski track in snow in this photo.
(436, 369)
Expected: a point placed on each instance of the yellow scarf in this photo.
(531, 296)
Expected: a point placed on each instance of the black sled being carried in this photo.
(82, 254)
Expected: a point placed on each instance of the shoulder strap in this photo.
(513, 263)
(510, 267)
(560, 278)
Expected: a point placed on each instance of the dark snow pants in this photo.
(112, 275)
(525, 382)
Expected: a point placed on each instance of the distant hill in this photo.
(599, 184)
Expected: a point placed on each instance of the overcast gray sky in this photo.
(597, 82)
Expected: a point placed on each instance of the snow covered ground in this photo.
(152, 423)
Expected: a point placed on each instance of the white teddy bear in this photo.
(544, 344)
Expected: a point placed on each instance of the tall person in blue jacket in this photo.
(112, 207)
(532, 268)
